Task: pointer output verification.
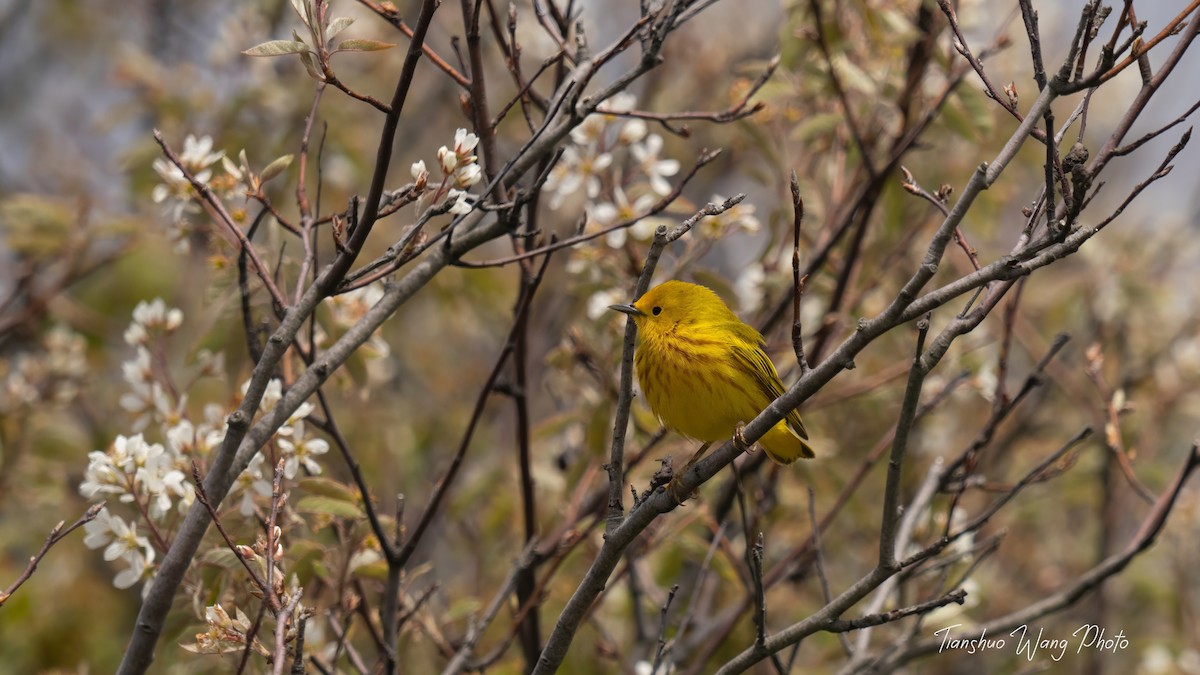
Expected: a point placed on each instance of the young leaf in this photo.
(328, 487)
(329, 507)
(338, 25)
(303, 10)
(277, 48)
(310, 64)
(276, 167)
(363, 45)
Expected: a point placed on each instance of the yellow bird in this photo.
(704, 372)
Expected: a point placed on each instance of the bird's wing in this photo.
(757, 363)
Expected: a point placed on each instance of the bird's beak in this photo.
(628, 309)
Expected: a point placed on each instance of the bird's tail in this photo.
(784, 446)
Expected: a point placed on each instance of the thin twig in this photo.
(826, 594)
(226, 221)
(447, 479)
(654, 209)
(662, 630)
(57, 534)
(797, 280)
(269, 597)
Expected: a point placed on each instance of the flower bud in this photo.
(447, 159)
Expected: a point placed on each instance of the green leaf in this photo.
(310, 64)
(277, 48)
(327, 487)
(222, 557)
(598, 430)
(330, 507)
(338, 25)
(276, 167)
(36, 227)
(304, 10)
(852, 76)
(363, 45)
(376, 570)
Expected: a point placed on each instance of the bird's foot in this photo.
(739, 439)
(676, 492)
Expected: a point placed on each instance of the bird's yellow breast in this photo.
(693, 386)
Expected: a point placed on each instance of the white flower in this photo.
(985, 383)
(600, 300)
(151, 403)
(99, 530)
(619, 210)
(647, 668)
(211, 364)
(738, 216)
(749, 287)
(138, 372)
(152, 318)
(178, 233)
(211, 431)
(632, 131)
(251, 482)
(620, 102)
(300, 450)
(65, 353)
(447, 160)
(347, 308)
(461, 205)
(585, 260)
(656, 169)
(954, 613)
(271, 394)
(157, 478)
(575, 169)
(138, 568)
(123, 543)
(419, 173)
(302, 411)
(176, 192)
(102, 477)
(464, 145)
(238, 173)
(363, 556)
(466, 176)
(121, 452)
(1157, 660)
(590, 131)
(197, 153)
(964, 545)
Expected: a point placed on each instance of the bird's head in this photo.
(675, 305)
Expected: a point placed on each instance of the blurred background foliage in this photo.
(84, 84)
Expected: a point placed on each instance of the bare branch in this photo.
(57, 534)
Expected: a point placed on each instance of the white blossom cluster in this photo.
(617, 164)
(460, 171)
(153, 479)
(51, 373)
(176, 193)
(225, 634)
(346, 309)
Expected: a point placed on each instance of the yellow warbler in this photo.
(704, 372)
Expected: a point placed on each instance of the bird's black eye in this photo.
(656, 311)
